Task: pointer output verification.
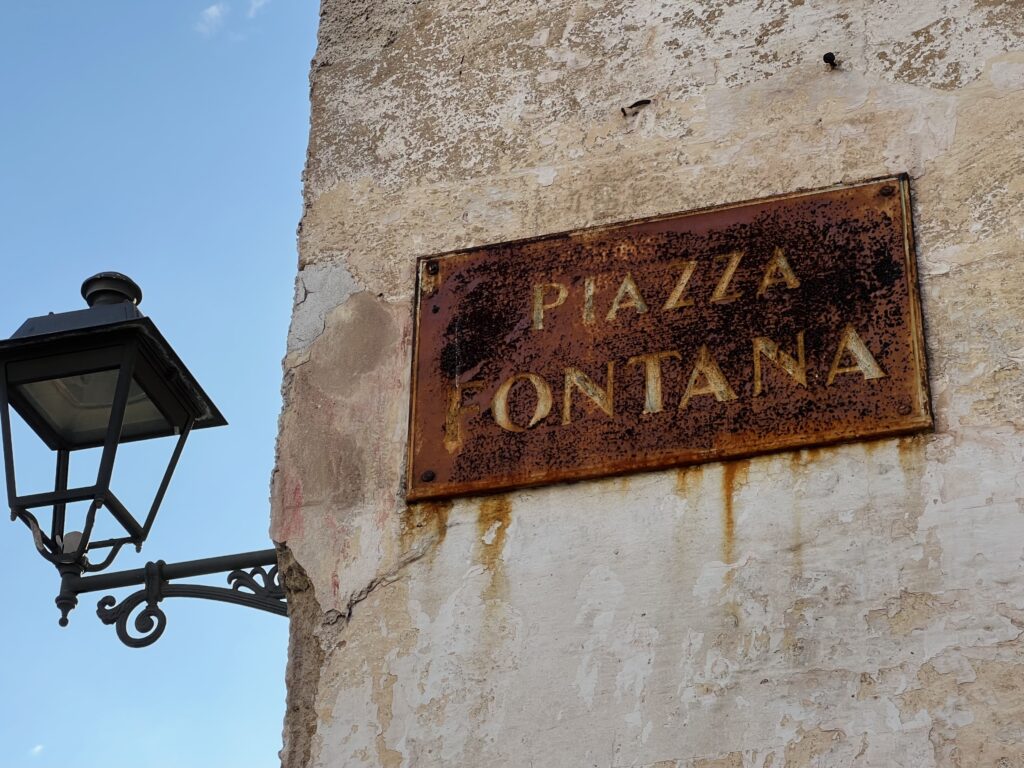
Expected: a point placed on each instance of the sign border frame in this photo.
(920, 421)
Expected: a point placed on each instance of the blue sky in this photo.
(164, 140)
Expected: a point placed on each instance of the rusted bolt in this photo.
(432, 268)
(904, 410)
(428, 476)
(830, 59)
(887, 191)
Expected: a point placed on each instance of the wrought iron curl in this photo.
(255, 587)
(258, 581)
(150, 622)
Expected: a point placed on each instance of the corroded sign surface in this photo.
(781, 323)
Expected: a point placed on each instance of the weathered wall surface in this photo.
(861, 605)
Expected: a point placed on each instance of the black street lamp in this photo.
(96, 378)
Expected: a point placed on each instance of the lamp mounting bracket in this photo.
(253, 576)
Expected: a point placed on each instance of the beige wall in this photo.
(860, 605)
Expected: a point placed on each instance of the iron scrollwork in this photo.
(150, 622)
(255, 587)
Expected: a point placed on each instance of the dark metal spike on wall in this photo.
(634, 108)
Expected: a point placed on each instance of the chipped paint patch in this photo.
(319, 288)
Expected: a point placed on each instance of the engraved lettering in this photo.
(539, 304)
(628, 296)
(602, 398)
(652, 377)
(863, 361)
(588, 301)
(797, 369)
(721, 293)
(678, 298)
(499, 407)
(715, 383)
(777, 271)
(453, 417)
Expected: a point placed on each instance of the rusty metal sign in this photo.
(781, 323)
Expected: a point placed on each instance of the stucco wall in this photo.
(861, 605)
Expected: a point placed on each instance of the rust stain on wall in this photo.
(733, 472)
(911, 452)
(428, 516)
(682, 481)
(812, 455)
(798, 461)
(492, 527)
(797, 545)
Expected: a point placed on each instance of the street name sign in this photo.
(782, 323)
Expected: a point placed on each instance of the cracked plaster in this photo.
(861, 605)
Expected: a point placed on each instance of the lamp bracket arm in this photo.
(253, 578)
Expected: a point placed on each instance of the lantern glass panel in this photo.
(77, 408)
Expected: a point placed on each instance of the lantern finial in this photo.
(111, 288)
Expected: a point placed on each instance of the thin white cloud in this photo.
(255, 6)
(36, 751)
(211, 19)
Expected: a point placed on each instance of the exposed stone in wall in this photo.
(861, 605)
(305, 660)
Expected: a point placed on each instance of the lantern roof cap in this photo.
(104, 325)
(111, 288)
(112, 298)
(78, 319)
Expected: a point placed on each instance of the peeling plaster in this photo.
(859, 605)
(318, 289)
